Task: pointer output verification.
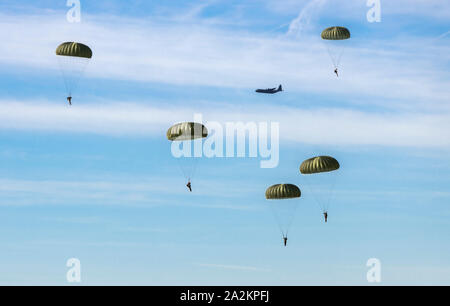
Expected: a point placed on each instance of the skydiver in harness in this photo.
(69, 99)
(325, 214)
(188, 185)
(285, 240)
(336, 71)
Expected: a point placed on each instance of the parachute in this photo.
(187, 134)
(282, 191)
(320, 176)
(335, 33)
(334, 38)
(319, 164)
(73, 58)
(283, 211)
(186, 131)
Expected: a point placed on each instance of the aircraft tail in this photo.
(280, 88)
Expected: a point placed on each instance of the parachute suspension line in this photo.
(183, 168)
(338, 62)
(279, 223)
(194, 162)
(65, 77)
(194, 167)
(288, 226)
(284, 226)
(81, 72)
(188, 167)
(331, 190)
(315, 196)
(324, 201)
(72, 69)
(330, 54)
(77, 77)
(335, 58)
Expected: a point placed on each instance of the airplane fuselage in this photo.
(270, 90)
(267, 91)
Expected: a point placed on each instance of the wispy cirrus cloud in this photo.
(443, 35)
(304, 18)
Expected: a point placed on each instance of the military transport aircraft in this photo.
(270, 90)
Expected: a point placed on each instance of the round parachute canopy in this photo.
(74, 49)
(282, 191)
(319, 164)
(186, 131)
(335, 33)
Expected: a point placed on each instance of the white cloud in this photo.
(313, 126)
(305, 16)
(380, 75)
(172, 53)
(443, 35)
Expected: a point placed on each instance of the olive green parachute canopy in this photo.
(186, 131)
(319, 164)
(282, 191)
(335, 33)
(74, 49)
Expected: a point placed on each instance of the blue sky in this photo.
(97, 181)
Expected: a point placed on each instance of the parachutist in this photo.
(285, 192)
(325, 214)
(335, 50)
(187, 131)
(188, 185)
(73, 58)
